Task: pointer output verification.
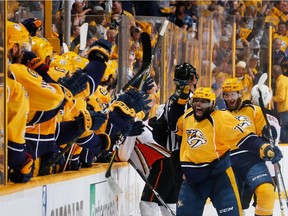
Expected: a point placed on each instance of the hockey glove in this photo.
(24, 172)
(272, 154)
(266, 133)
(181, 94)
(31, 60)
(75, 84)
(133, 102)
(133, 129)
(90, 120)
(100, 50)
(148, 83)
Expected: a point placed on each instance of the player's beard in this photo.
(206, 113)
(234, 107)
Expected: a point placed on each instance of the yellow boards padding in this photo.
(55, 42)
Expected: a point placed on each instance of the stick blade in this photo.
(113, 186)
(262, 79)
(83, 35)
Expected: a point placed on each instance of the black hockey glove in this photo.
(76, 83)
(24, 172)
(273, 154)
(133, 129)
(133, 102)
(181, 94)
(90, 120)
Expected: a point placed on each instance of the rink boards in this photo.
(83, 193)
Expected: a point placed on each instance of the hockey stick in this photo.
(158, 43)
(65, 47)
(278, 175)
(146, 43)
(111, 182)
(59, 155)
(151, 188)
(83, 38)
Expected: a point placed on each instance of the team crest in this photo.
(244, 123)
(195, 138)
(32, 72)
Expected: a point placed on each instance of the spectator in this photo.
(241, 73)
(217, 87)
(223, 52)
(281, 99)
(252, 68)
(281, 33)
(278, 56)
(180, 18)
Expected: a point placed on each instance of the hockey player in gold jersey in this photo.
(207, 137)
(249, 170)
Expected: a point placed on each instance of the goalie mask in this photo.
(265, 92)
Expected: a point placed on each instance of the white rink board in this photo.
(91, 196)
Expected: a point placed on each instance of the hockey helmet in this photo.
(232, 84)
(43, 48)
(18, 34)
(61, 63)
(265, 92)
(76, 60)
(205, 93)
(185, 71)
(32, 25)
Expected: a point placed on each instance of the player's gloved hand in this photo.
(133, 129)
(24, 172)
(133, 102)
(76, 83)
(31, 60)
(181, 94)
(266, 133)
(273, 154)
(148, 83)
(90, 120)
(100, 50)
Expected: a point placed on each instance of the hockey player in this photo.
(170, 168)
(274, 121)
(248, 168)
(207, 137)
(20, 162)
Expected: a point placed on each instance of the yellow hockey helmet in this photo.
(42, 48)
(61, 63)
(76, 60)
(18, 34)
(205, 93)
(232, 85)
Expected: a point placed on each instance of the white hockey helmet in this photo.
(266, 94)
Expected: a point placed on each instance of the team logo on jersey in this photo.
(32, 72)
(244, 123)
(62, 70)
(103, 91)
(195, 138)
